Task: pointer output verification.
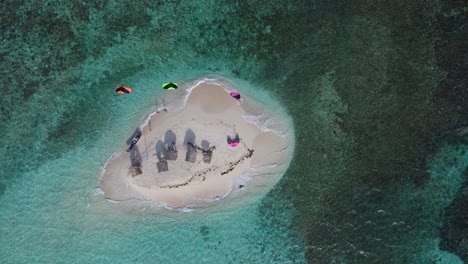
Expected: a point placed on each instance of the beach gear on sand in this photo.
(171, 152)
(135, 139)
(162, 165)
(123, 89)
(170, 86)
(208, 154)
(235, 95)
(233, 142)
(191, 155)
(135, 170)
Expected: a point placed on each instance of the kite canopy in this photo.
(170, 86)
(123, 89)
(236, 95)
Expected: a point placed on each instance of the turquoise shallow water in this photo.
(376, 92)
(51, 221)
(55, 213)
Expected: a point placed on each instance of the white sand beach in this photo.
(208, 118)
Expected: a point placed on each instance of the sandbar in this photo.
(159, 168)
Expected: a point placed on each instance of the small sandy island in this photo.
(183, 158)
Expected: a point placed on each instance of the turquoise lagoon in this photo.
(368, 86)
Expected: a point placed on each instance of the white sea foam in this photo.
(185, 210)
(98, 191)
(268, 166)
(113, 201)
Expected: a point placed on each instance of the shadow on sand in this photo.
(167, 149)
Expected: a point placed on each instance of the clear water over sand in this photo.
(375, 92)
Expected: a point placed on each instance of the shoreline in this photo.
(240, 174)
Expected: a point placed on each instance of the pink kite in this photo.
(235, 95)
